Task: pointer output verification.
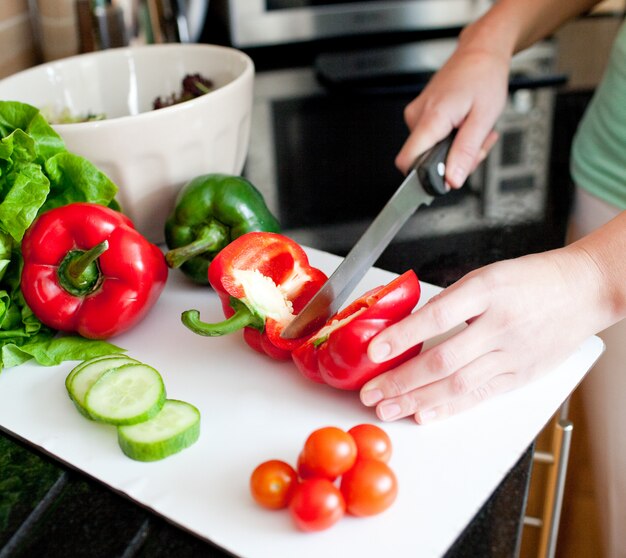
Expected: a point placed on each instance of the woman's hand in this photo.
(523, 317)
(468, 93)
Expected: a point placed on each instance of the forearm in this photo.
(512, 25)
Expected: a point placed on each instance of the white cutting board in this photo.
(254, 409)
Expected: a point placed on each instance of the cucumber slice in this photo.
(84, 375)
(129, 394)
(176, 427)
(81, 365)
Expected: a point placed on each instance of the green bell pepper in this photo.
(210, 212)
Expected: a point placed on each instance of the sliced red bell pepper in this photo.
(88, 270)
(337, 354)
(263, 279)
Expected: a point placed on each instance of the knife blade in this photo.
(425, 182)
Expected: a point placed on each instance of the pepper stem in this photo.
(243, 317)
(79, 273)
(210, 239)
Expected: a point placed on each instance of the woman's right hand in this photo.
(468, 93)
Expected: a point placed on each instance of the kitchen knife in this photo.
(425, 182)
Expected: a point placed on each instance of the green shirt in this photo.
(599, 149)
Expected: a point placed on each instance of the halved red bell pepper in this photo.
(88, 270)
(337, 354)
(263, 280)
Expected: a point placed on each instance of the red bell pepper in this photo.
(337, 354)
(87, 270)
(263, 279)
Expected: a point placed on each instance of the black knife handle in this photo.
(431, 167)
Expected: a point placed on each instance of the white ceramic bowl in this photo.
(148, 153)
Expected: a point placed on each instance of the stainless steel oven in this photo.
(255, 23)
(324, 137)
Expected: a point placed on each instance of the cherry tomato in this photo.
(372, 442)
(329, 452)
(273, 483)
(303, 471)
(370, 487)
(317, 504)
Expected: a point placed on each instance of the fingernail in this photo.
(458, 176)
(380, 351)
(425, 416)
(389, 411)
(371, 396)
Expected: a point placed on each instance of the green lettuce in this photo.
(37, 173)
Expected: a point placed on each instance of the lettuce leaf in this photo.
(20, 116)
(37, 173)
(50, 351)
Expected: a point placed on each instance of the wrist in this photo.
(490, 36)
(600, 266)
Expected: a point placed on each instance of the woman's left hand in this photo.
(523, 316)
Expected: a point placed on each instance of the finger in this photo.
(467, 148)
(443, 360)
(455, 305)
(491, 140)
(498, 384)
(413, 111)
(427, 131)
(471, 383)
